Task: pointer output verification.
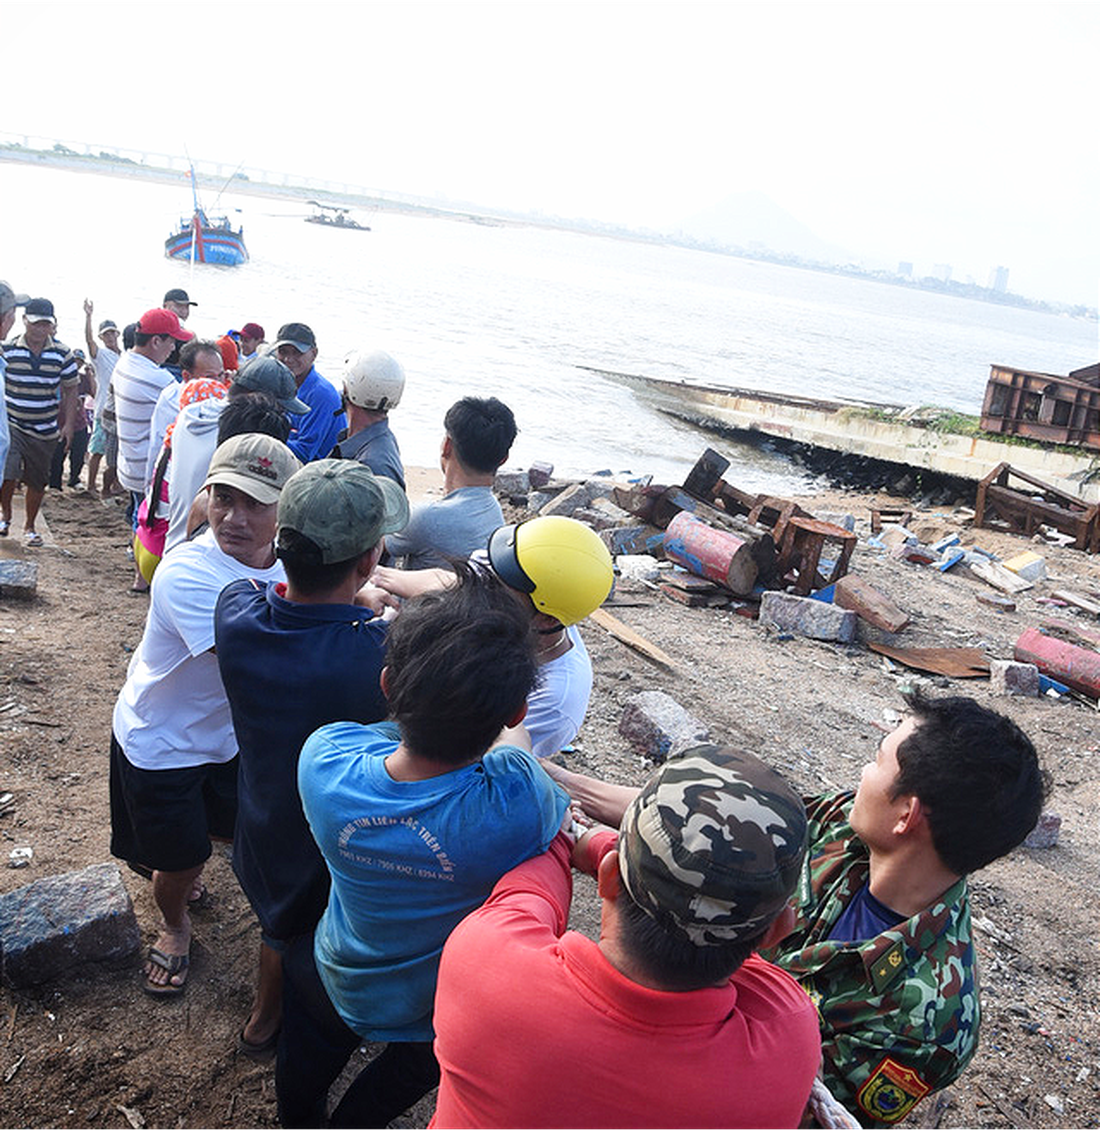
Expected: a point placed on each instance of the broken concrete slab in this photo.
(511, 483)
(1010, 677)
(808, 617)
(656, 725)
(60, 923)
(19, 576)
(995, 574)
(570, 500)
(609, 510)
(852, 592)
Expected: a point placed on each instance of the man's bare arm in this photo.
(601, 800)
(89, 337)
(408, 583)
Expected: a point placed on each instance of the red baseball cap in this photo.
(252, 330)
(161, 321)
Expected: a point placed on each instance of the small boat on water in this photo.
(206, 239)
(332, 216)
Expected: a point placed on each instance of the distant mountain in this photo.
(752, 220)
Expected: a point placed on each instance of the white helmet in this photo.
(373, 381)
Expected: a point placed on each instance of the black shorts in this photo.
(164, 819)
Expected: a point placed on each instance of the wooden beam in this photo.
(626, 635)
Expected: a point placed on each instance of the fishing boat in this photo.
(206, 239)
(332, 216)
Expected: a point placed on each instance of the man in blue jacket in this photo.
(312, 436)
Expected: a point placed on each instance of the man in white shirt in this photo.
(173, 750)
(104, 355)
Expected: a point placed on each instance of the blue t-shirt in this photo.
(288, 669)
(408, 861)
(313, 435)
(375, 447)
(864, 918)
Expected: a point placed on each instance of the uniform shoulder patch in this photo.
(888, 966)
(891, 1091)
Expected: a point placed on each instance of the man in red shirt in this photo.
(670, 1020)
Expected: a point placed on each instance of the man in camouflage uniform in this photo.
(953, 788)
(557, 1027)
(882, 942)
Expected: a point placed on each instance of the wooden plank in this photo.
(1077, 600)
(626, 635)
(999, 577)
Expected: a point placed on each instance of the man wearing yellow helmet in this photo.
(562, 572)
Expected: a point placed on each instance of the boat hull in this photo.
(217, 246)
(839, 426)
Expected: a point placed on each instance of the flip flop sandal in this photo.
(174, 964)
(5, 527)
(265, 1050)
(32, 538)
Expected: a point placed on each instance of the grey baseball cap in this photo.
(270, 375)
(712, 847)
(9, 298)
(342, 507)
(254, 463)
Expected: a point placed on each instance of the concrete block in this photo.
(538, 474)
(570, 500)
(59, 923)
(16, 573)
(1028, 565)
(1008, 677)
(536, 500)
(656, 725)
(594, 518)
(808, 617)
(609, 510)
(852, 592)
(638, 567)
(512, 483)
(1045, 833)
(600, 488)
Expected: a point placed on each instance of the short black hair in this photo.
(252, 412)
(143, 339)
(190, 351)
(671, 960)
(305, 570)
(482, 430)
(977, 775)
(129, 336)
(461, 664)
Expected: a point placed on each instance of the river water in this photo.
(512, 312)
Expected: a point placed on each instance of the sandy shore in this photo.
(76, 1053)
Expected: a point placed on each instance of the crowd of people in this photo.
(369, 700)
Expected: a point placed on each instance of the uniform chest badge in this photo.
(891, 1091)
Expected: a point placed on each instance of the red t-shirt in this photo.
(535, 1028)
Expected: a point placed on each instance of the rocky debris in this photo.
(1009, 677)
(1045, 833)
(807, 617)
(539, 473)
(656, 725)
(19, 576)
(59, 923)
(512, 483)
(1028, 565)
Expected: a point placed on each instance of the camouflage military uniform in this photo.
(899, 1013)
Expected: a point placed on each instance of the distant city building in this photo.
(905, 270)
(942, 271)
(998, 280)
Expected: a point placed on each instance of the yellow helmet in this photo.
(559, 562)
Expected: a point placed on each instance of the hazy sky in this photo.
(956, 133)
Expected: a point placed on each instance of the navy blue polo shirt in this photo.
(288, 669)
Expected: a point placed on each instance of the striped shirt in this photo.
(137, 383)
(33, 383)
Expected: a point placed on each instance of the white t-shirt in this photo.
(556, 708)
(172, 711)
(104, 362)
(193, 444)
(164, 413)
(137, 382)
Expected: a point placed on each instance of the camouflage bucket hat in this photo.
(342, 507)
(713, 845)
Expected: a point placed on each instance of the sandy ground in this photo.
(78, 1053)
